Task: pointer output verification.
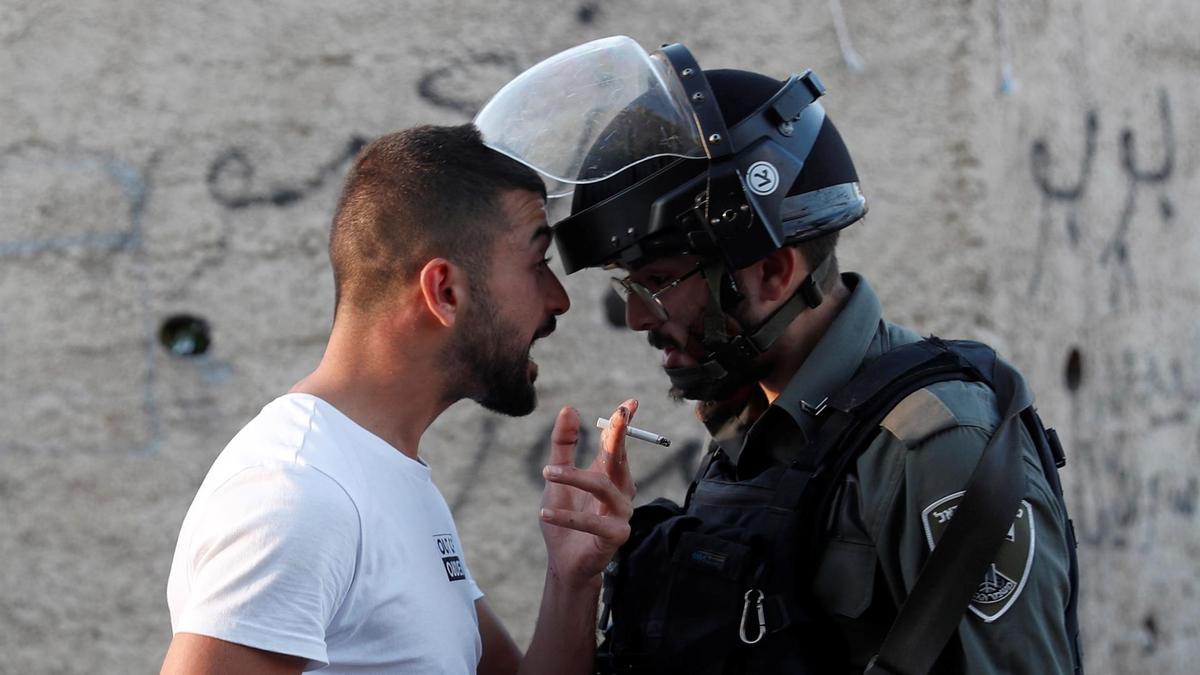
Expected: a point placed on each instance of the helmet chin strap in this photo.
(730, 360)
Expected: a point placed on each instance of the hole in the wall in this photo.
(586, 13)
(1074, 371)
(185, 335)
(1150, 625)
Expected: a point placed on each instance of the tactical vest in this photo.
(722, 584)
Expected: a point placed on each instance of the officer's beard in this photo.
(692, 383)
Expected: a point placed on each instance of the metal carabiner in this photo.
(762, 617)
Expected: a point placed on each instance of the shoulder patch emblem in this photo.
(1006, 576)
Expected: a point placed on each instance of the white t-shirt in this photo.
(311, 536)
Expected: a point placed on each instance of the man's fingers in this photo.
(612, 458)
(599, 485)
(564, 437)
(612, 529)
(617, 423)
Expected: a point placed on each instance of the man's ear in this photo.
(780, 272)
(443, 288)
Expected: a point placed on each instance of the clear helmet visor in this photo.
(590, 112)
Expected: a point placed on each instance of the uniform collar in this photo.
(854, 335)
(835, 358)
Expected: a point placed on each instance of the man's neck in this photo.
(394, 394)
(793, 347)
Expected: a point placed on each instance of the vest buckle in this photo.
(755, 597)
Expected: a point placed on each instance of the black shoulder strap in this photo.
(950, 577)
(853, 414)
(944, 587)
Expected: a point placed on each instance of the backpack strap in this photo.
(949, 578)
(856, 411)
(850, 419)
(924, 624)
(938, 601)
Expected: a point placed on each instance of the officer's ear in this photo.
(777, 275)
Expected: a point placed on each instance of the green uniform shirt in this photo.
(892, 507)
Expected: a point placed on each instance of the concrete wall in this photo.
(1032, 170)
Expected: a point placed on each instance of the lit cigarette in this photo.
(640, 434)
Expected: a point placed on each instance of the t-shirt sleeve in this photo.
(269, 560)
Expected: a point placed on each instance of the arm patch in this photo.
(920, 415)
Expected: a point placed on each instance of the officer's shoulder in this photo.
(940, 407)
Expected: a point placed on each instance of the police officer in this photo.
(719, 195)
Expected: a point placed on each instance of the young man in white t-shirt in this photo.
(318, 539)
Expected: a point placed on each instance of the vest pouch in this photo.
(675, 593)
(710, 574)
(632, 594)
(845, 578)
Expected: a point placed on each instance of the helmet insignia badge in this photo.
(762, 178)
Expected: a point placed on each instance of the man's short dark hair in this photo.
(417, 194)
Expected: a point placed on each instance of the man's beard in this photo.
(492, 370)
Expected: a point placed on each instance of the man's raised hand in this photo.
(585, 512)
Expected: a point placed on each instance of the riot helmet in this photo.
(662, 158)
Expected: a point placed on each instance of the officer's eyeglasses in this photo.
(624, 288)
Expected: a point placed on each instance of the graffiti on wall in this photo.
(124, 237)
(464, 85)
(230, 179)
(231, 183)
(1122, 489)
(1142, 176)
